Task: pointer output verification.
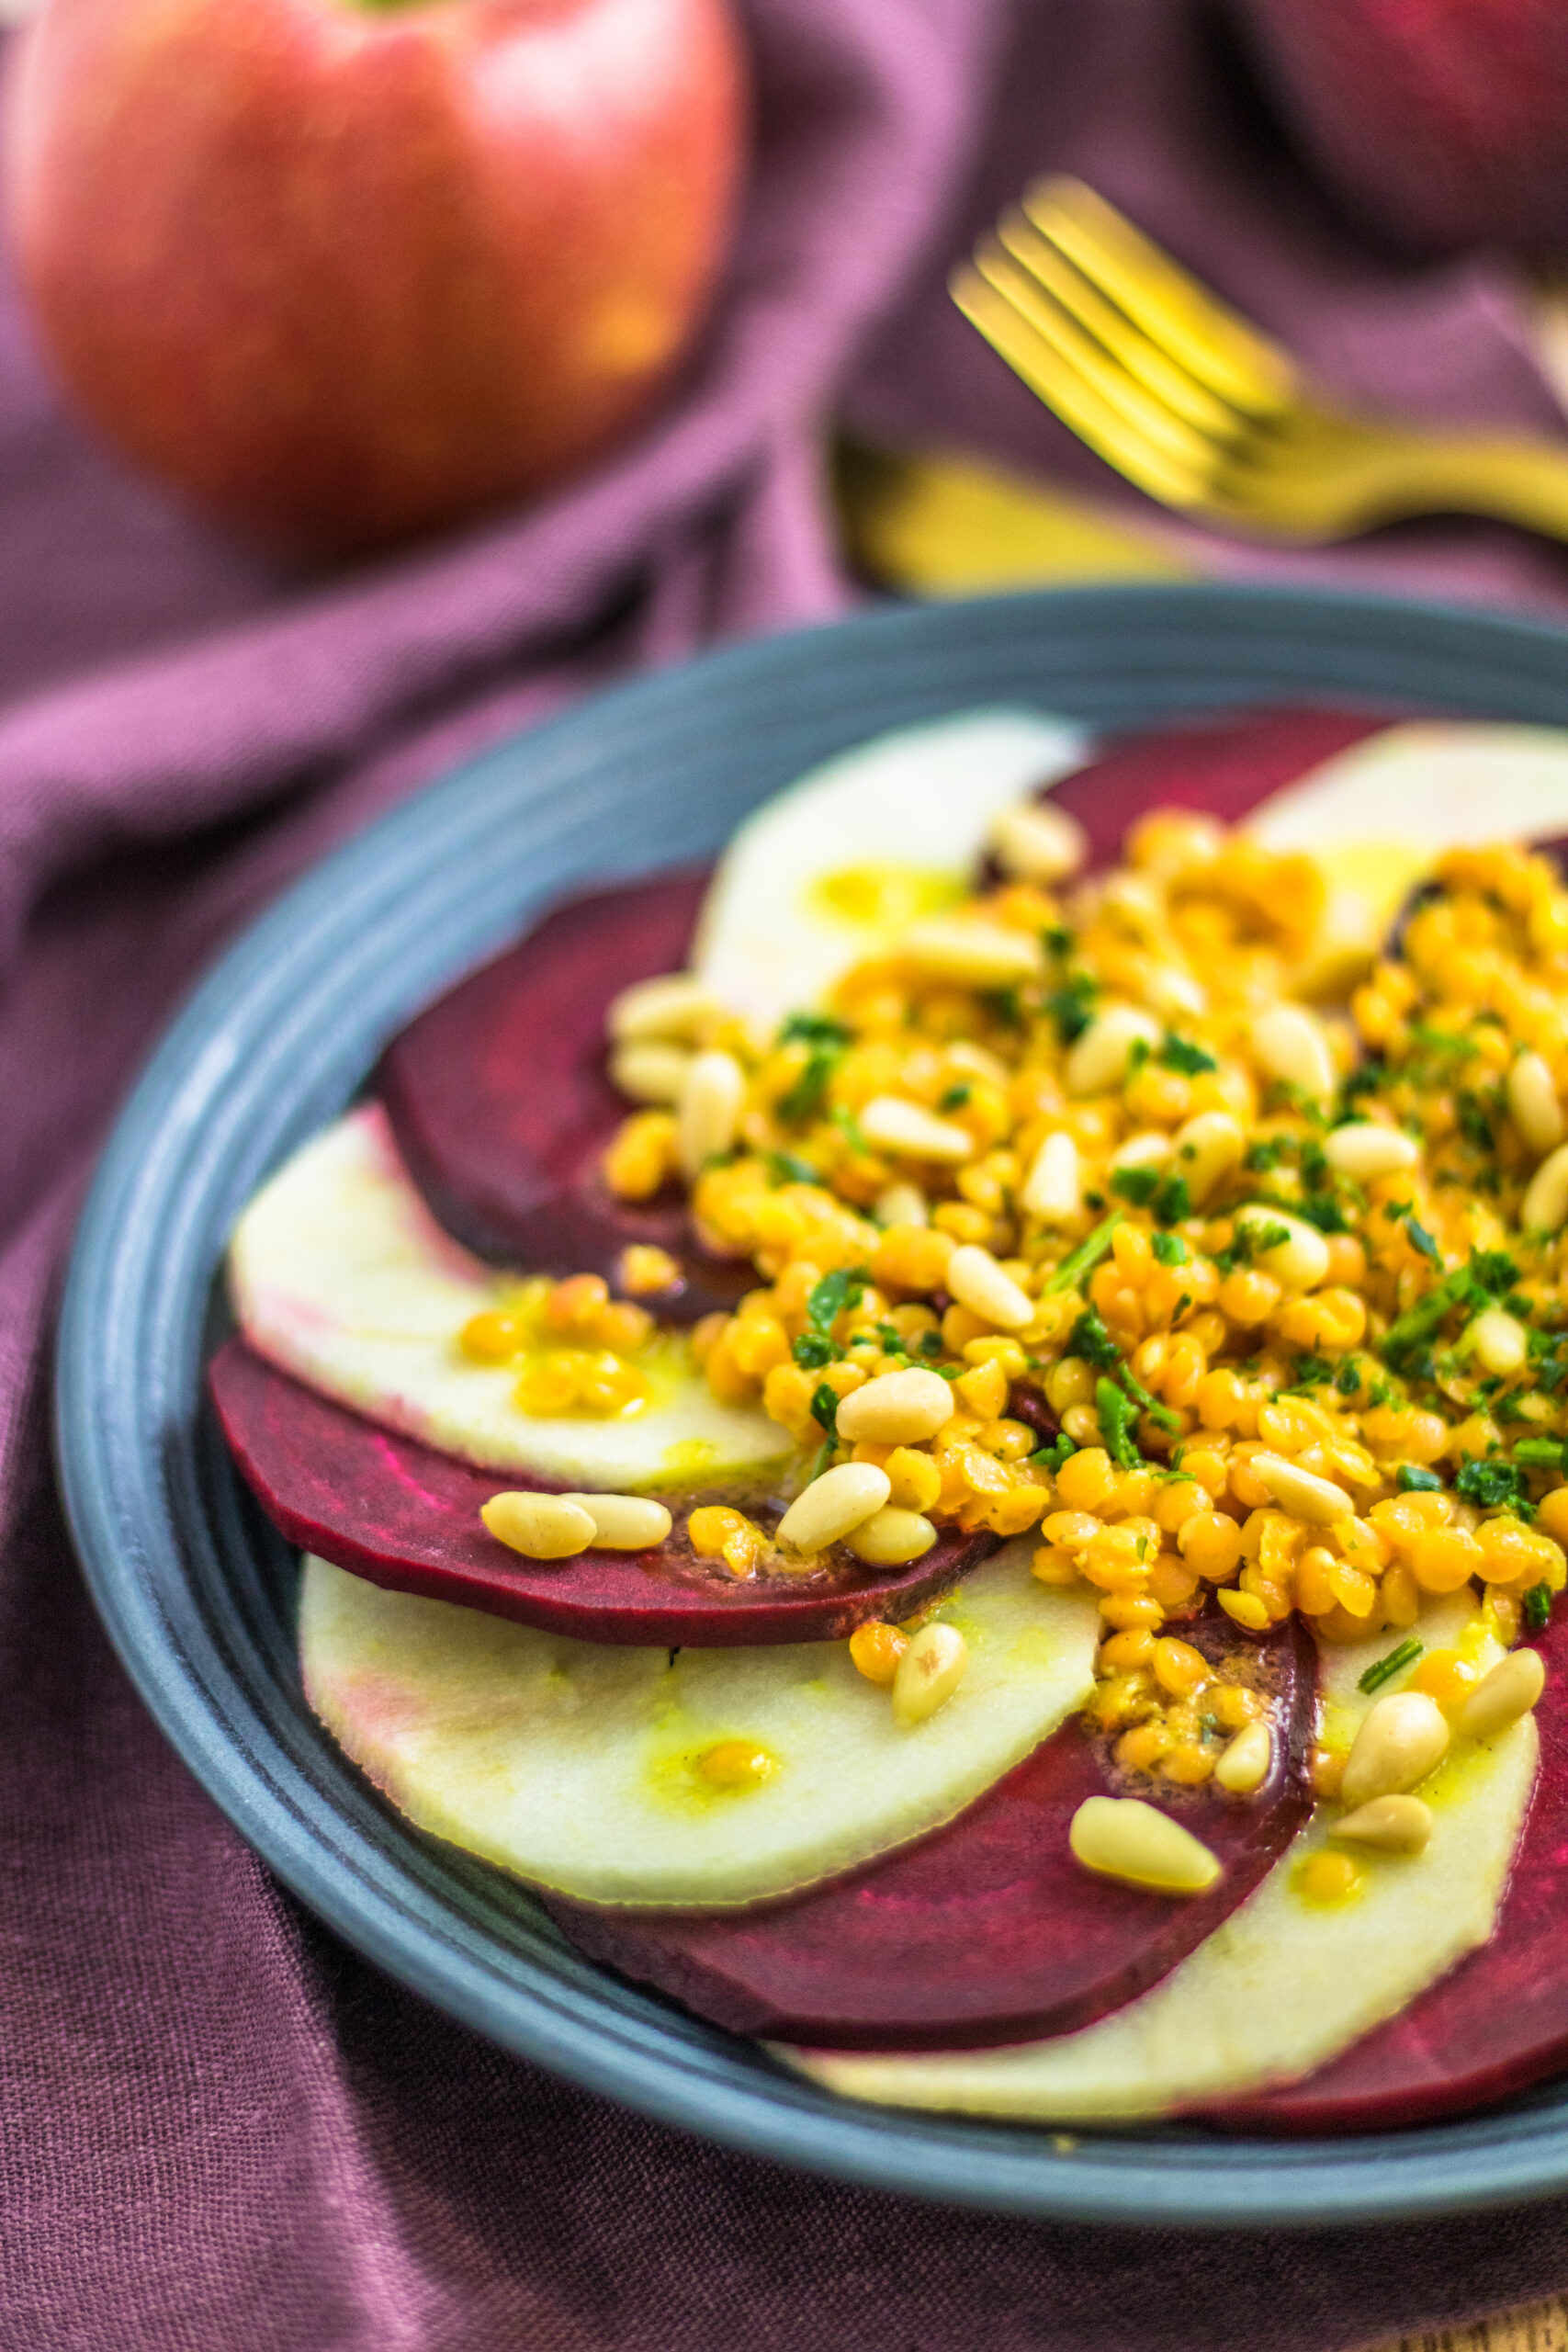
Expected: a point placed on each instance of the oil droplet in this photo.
(884, 897)
(689, 1457)
(1326, 1880)
(734, 1764)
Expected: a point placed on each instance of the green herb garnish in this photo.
(1169, 1249)
(1081, 1261)
(1415, 1479)
(1385, 1668)
(1117, 1414)
(1537, 1606)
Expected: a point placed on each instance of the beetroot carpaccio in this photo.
(1167, 1216)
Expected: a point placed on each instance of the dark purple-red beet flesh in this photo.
(406, 1517)
(988, 1931)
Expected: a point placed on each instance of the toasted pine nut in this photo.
(1501, 1697)
(1052, 1190)
(676, 1004)
(827, 1510)
(1302, 1492)
(1208, 1147)
(709, 1109)
(1301, 1260)
(1036, 842)
(1244, 1764)
(623, 1522)
(1151, 1150)
(1365, 1150)
(651, 1070)
(1395, 1825)
(893, 1125)
(896, 1409)
(976, 1281)
(975, 955)
(544, 1527)
(1124, 1838)
(1533, 1105)
(1175, 994)
(1402, 1738)
(1545, 1206)
(902, 1204)
(1288, 1042)
(891, 1537)
(1099, 1060)
(1500, 1341)
(929, 1672)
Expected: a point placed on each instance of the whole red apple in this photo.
(1443, 123)
(343, 273)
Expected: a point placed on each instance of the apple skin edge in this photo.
(987, 1930)
(406, 1517)
(345, 274)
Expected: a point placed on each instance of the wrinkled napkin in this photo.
(220, 2126)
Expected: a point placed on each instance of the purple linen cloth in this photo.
(220, 2126)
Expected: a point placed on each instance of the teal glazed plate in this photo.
(198, 1592)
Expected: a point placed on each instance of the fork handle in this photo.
(1511, 481)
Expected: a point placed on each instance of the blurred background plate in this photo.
(197, 1593)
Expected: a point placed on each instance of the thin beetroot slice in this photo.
(1496, 2022)
(501, 1105)
(987, 1930)
(408, 1518)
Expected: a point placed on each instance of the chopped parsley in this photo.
(1494, 1485)
(811, 1352)
(1537, 1606)
(1415, 1479)
(1169, 1249)
(1138, 1185)
(1117, 1414)
(806, 1098)
(1051, 1457)
(814, 1029)
(1180, 1054)
(1071, 1005)
(831, 1296)
(789, 1168)
(954, 1097)
(1090, 1338)
(824, 1410)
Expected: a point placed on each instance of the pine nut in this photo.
(834, 1504)
(623, 1522)
(893, 1125)
(1301, 1260)
(1501, 1697)
(1052, 1190)
(1401, 1739)
(896, 1408)
(545, 1527)
(1175, 994)
(1302, 1492)
(1037, 843)
(975, 955)
(975, 1280)
(676, 1004)
(651, 1070)
(929, 1672)
(1124, 1838)
(709, 1110)
(1207, 1148)
(1289, 1042)
(1545, 1207)
(1151, 1150)
(890, 1537)
(902, 1204)
(1244, 1764)
(1394, 1825)
(1500, 1341)
(1533, 1105)
(1364, 1151)
(1099, 1060)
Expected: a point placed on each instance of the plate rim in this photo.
(1506, 2156)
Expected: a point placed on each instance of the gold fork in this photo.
(1198, 408)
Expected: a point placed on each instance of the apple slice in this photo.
(578, 1766)
(501, 1108)
(340, 1275)
(408, 1518)
(832, 870)
(1284, 1984)
(988, 1929)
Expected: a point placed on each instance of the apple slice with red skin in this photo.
(502, 1104)
(987, 1930)
(1494, 2024)
(407, 1517)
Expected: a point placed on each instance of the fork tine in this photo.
(1141, 358)
(1156, 424)
(1213, 342)
(1058, 383)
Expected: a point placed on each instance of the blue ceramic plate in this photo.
(198, 1592)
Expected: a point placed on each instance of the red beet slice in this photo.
(1224, 767)
(501, 1106)
(987, 1930)
(407, 1517)
(1494, 2023)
